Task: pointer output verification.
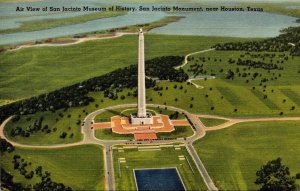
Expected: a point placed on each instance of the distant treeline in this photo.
(77, 94)
(289, 40)
(163, 68)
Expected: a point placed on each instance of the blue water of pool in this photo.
(166, 179)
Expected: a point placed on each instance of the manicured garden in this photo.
(154, 157)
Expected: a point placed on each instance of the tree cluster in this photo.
(259, 64)
(289, 40)
(197, 69)
(31, 129)
(8, 183)
(163, 68)
(6, 146)
(274, 176)
(20, 164)
(174, 115)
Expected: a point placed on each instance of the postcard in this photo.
(154, 95)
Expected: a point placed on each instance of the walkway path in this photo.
(185, 62)
(190, 54)
(199, 78)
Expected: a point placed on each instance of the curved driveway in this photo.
(190, 54)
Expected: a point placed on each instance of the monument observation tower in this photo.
(142, 124)
(142, 116)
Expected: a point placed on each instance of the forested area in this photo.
(289, 40)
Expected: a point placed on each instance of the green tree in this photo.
(274, 176)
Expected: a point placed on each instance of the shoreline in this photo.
(96, 35)
(44, 24)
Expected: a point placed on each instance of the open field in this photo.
(272, 91)
(209, 122)
(33, 71)
(80, 167)
(233, 155)
(35, 25)
(218, 104)
(154, 157)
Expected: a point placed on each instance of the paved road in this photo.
(232, 121)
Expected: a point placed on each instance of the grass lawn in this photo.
(233, 155)
(209, 122)
(107, 134)
(154, 158)
(180, 132)
(56, 123)
(33, 71)
(80, 167)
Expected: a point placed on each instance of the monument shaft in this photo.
(141, 78)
